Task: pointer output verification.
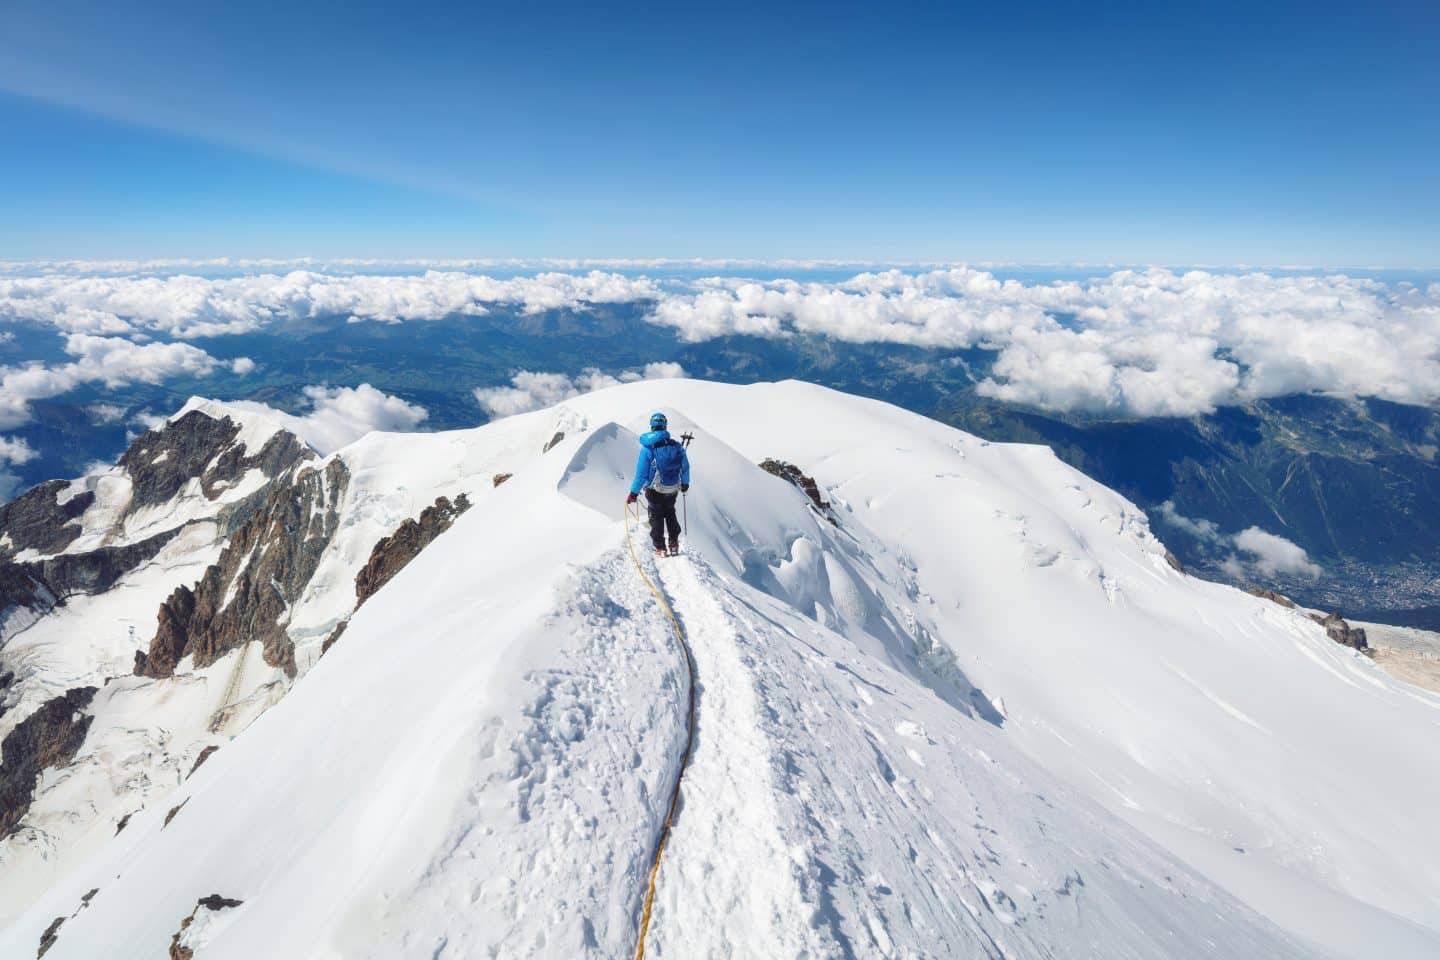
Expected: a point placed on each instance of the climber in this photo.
(663, 472)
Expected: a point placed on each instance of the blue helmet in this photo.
(659, 422)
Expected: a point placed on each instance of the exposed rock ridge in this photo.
(36, 521)
(1337, 628)
(161, 462)
(792, 474)
(214, 903)
(49, 737)
(248, 594)
(390, 554)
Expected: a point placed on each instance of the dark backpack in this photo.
(669, 457)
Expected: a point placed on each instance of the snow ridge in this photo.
(976, 715)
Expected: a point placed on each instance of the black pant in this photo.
(662, 515)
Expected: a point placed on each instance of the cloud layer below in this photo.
(342, 415)
(1133, 343)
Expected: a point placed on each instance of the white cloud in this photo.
(185, 307)
(105, 413)
(1132, 343)
(342, 415)
(242, 365)
(1206, 530)
(531, 391)
(116, 361)
(16, 450)
(1260, 553)
(1151, 343)
(113, 361)
(1271, 554)
(13, 450)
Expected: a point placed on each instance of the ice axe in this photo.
(685, 439)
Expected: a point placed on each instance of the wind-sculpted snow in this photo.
(976, 715)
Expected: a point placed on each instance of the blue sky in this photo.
(1216, 134)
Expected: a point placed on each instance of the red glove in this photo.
(632, 498)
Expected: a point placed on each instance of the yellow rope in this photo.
(689, 733)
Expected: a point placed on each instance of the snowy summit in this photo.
(414, 698)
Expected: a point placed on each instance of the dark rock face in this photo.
(48, 938)
(1274, 597)
(21, 586)
(49, 737)
(205, 754)
(1339, 630)
(335, 635)
(214, 902)
(35, 521)
(559, 435)
(390, 555)
(42, 585)
(263, 571)
(791, 474)
(161, 462)
(194, 446)
(500, 478)
(172, 635)
(173, 812)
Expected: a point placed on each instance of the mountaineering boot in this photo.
(674, 546)
(660, 552)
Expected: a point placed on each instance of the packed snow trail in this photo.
(689, 731)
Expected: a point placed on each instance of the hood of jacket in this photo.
(653, 437)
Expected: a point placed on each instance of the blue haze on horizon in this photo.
(1218, 134)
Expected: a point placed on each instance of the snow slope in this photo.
(977, 716)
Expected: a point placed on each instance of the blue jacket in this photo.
(659, 455)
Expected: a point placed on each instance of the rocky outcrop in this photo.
(1339, 630)
(559, 435)
(36, 521)
(390, 555)
(1273, 597)
(500, 478)
(161, 462)
(791, 474)
(214, 903)
(41, 585)
(173, 813)
(48, 938)
(248, 594)
(159, 465)
(205, 754)
(49, 737)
